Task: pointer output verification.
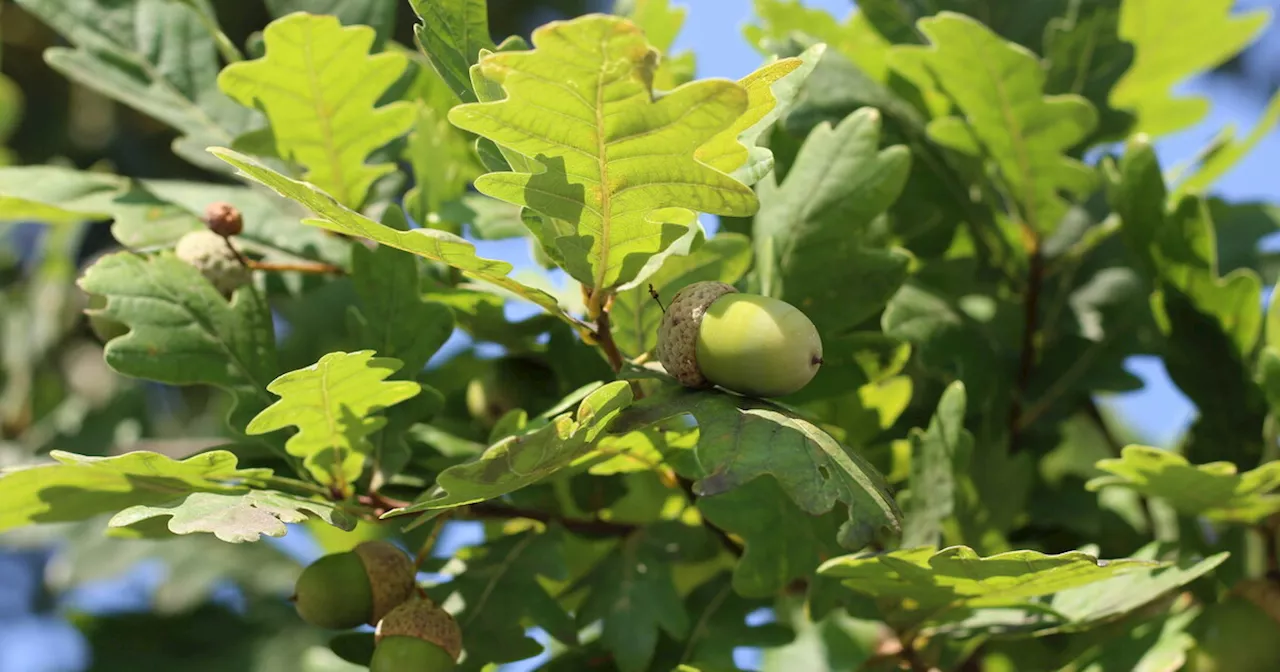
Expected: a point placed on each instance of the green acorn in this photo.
(416, 636)
(344, 590)
(712, 334)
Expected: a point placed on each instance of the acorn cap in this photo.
(391, 576)
(421, 618)
(678, 333)
(223, 219)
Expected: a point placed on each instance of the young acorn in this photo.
(712, 334)
(211, 255)
(417, 636)
(357, 587)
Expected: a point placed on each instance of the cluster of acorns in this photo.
(374, 584)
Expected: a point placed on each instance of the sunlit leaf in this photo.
(1217, 164)
(319, 87)
(1215, 490)
(999, 88)
(1161, 31)
(452, 33)
(616, 170)
(334, 405)
(233, 518)
(77, 487)
(854, 38)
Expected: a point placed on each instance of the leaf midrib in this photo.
(602, 160)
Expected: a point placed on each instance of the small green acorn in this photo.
(416, 636)
(214, 257)
(712, 334)
(360, 586)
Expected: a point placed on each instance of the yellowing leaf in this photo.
(333, 403)
(318, 85)
(616, 168)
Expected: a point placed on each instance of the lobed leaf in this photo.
(183, 332)
(811, 234)
(741, 439)
(1160, 31)
(524, 459)
(1214, 490)
(333, 404)
(855, 38)
(56, 195)
(233, 518)
(77, 487)
(452, 34)
(999, 88)
(1224, 157)
(435, 245)
(378, 14)
(615, 169)
(319, 87)
(661, 24)
(919, 584)
(155, 56)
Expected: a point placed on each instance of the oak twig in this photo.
(1030, 325)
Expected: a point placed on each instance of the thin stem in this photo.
(286, 482)
(316, 267)
(225, 46)
(1027, 354)
(604, 334)
(725, 540)
(430, 542)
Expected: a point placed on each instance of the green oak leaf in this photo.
(661, 24)
(1160, 31)
(524, 459)
(183, 332)
(333, 404)
(395, 320)
(1225, 156)
(155, 56)
(501, 585)
(915, 585)
(1214, 490)
(1084, 54)
(435, 245)
(742, 439)
(999, 88)
(77, 487)
(378, 14)
(770, 90)
(783, 542)
(452, 34)
(937, 455)
(616, 174)
(443, 166)
(633, 592)
(810, 231)
(635, 316)
(854, 38)
(56, 195)
(319, 87)
(233, 518)
(719, 614)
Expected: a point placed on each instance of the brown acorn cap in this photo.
(391, 576)
(678, 333)
(223, 219)
(421, 618)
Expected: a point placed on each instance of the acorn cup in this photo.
(416, 636)
(357, 587)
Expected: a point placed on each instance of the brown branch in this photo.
(1027, 352)
(316, 267)
(604, 334)
(725, 540)
(599, 528)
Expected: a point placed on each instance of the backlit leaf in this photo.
(854, 38)
(1161, 31)
(999, 88)
(1217, 164)
(319, 86)
(1215, 490)
(616, 169)
(334, 405)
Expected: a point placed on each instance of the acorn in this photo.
(712, 334)
(360, 586)
(416, 636)
(215, 258)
